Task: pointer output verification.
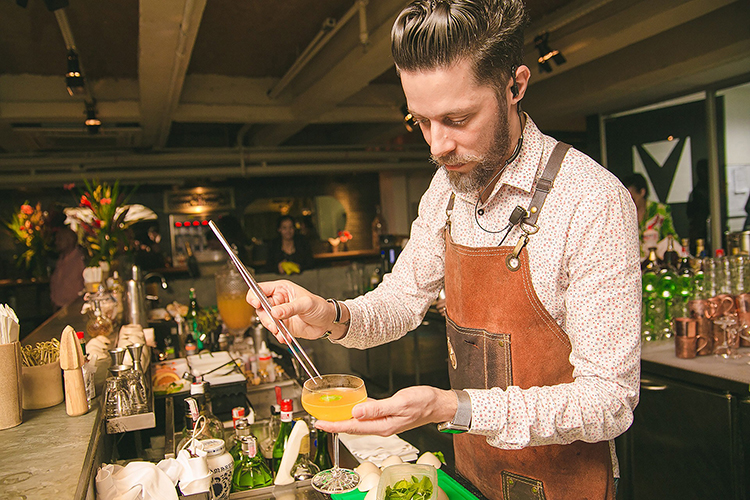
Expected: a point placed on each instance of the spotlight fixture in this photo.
(409, 122)
(74, 77)
(92, 122)
(541, 42)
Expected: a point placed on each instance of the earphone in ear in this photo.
(514, 87)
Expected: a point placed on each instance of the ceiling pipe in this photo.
(211, 156)
(176, 175)
(328, 30)
(70, 44)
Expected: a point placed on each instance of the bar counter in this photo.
(52, 455)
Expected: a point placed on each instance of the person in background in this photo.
(289, 253)
(698, 208)
(147, 246)
(543, 344)
(652, 216)
(67, 279)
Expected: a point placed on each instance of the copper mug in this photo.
(699, 310)
(721, 305)
(742, 301)
(687, 342)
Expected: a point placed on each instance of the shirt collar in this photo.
(521, 172)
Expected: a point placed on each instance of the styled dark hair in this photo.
(430, 34)
(637, 181)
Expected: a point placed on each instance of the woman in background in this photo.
(289, 253)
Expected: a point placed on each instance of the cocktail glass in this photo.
(725, 350)
(332, 397)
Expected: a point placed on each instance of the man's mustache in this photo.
(453, 159)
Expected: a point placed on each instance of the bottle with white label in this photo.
(221, 466)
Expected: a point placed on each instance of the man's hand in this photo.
(306, 315)
(407, 409)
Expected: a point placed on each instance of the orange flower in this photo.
(27, 209)
(85, 201)
(106, 201)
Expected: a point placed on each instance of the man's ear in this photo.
(521, 83)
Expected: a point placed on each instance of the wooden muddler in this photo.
(71, 361)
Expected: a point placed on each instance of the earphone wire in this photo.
(508, 227)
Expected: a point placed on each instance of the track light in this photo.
(74, 77)
(92, 122)
(409, 122)
(546, 53)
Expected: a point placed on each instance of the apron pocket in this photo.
(517, 487)
(478, 359)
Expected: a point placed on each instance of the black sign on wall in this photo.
(664, 146)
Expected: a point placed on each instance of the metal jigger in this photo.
(117, 354)
(135, 351)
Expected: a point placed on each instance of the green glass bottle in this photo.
(322, 459)
(252, 471)
(303, 467)
(284, 431)
(192, 319)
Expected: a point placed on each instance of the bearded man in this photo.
(537, 248)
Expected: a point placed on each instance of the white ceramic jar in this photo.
(221, 466)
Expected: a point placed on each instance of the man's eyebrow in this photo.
(455, 112)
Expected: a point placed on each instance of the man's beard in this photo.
(487, 163)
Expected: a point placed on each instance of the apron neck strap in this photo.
(546, 181)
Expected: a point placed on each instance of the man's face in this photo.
(464, 123)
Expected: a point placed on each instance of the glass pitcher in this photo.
(231, 291)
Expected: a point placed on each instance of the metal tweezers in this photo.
(291, 342)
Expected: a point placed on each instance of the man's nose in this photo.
(442, 142)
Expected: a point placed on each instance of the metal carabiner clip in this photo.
(512, 261)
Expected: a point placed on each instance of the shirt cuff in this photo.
(356, 325)
(487, 412)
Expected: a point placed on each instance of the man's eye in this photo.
(455, 122)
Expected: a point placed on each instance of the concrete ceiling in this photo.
(180, 85)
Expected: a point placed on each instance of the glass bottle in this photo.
(241, 430)
(98, 323)
(651, 312)
(671, 257)
(322, 459)
(199, 391)
(252, 471)
(303, 467)
(667, 292)
(284, 431)
(192, 319)
(192, 416)
(274, 424)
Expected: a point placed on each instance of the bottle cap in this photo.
(249, 445)
(213, 447)
(720, 252)
(197, 388)
(286, 405)
(79, 335)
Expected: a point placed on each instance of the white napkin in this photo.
(192, 474)
(136, 481)
(9, 328)
(378, 448)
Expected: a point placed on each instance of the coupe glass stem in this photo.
(335, 453)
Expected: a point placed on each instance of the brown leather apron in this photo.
(500, 334)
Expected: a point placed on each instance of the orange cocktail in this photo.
(235, 311)
(333, 404)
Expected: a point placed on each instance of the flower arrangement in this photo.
(30, 229)
(102, 218)
(343, 237)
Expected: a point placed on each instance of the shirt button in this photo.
(480, 211)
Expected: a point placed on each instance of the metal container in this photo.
(135, 296)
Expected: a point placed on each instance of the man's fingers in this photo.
(376, 409)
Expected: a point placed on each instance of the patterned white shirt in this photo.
(584, 264)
